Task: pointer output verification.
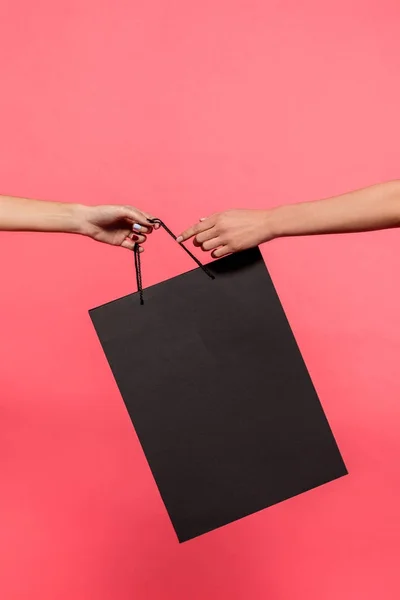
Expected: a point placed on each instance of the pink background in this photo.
(184, 108)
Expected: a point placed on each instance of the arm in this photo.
(372, 208)
(116, 225)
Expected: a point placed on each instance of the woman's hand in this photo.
(369, 209)
(230, 231)
(116, 225)
(112, 224)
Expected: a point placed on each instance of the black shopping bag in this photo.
(228, 418)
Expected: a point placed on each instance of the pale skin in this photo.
(117, 225)
(372, 208)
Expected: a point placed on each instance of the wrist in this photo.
(274, 224)
(282, 221)
(79, 218)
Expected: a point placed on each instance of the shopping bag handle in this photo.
(138, 267)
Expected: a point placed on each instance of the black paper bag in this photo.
(218, 393)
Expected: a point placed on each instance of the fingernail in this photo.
(135, 238)
(202, 219)
(137, 226)
(141, 249)
(179, 239)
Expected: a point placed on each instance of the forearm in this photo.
(372, 208)
(19, 214)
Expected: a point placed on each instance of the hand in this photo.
(116, 225)
(230, 231)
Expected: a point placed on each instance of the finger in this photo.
(222, 251)
(200, 238)
(196, 229)
(151, 218)
(211, 244)
(140, 239)
(137, 217)
(137, 228)
(130, 244)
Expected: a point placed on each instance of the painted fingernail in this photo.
(179, 239)
(137, 226)
(135, 238)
